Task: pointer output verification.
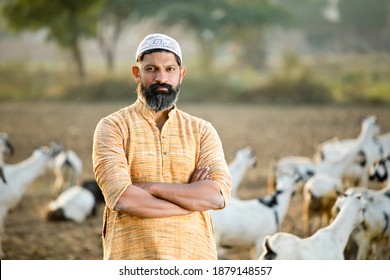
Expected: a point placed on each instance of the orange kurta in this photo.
(128, 149)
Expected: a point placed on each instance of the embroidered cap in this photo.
(158, 41)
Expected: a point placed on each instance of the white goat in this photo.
(245, 223)
(18, 177)
(332, 151)
(76, 203)
(376, 224)
(378, 170)
(244, 159)
(319, 191)
(67, 168)
(327, 243)
(356, 173)
(299, 164)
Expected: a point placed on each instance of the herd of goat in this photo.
(340, 210)
(73, 201)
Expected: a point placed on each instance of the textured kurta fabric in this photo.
(128, 149)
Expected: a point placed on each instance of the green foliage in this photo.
(365, 15)
(66, 22)
(19, 83)
(219, 21)
(342, 79)
(371, 87)
(213, 89)
(356, 78)
(110, 89)
(302, 89)
(363, 24)
(296, 83)
(212, 22)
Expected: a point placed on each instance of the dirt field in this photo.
(273, 132)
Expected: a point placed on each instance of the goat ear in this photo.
(339, 193)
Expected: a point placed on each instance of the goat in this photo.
(76, 203)
(376, 224)
(244, 159)
(244, 223)
(356, 173)
(319, 196)
(327, 243)
(67, 168)
(319, 191)
(302, 165)
(6, 148)
(379, 171)
(18, 177)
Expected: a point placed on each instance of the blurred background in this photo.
(278, 76)
(264, 51)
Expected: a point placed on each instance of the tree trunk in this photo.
(107, 40)
(78, 59)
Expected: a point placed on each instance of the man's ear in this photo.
(183, 71)
(135, 71)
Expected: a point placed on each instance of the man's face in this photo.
(159, 78)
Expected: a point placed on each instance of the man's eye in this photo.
(150, 69)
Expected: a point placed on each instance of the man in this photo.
(160, 169)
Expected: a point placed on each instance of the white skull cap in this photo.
(158, 41)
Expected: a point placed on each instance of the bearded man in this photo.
(160, 169)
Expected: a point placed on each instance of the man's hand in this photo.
(200, 173)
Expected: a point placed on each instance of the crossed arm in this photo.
(154, 200)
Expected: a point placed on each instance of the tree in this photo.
(218, 21)
(67, 22)
(362, 24)
(368, 21)
(248, 21)
(112, 17)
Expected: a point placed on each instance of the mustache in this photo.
(153, 87)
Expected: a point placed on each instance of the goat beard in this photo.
(159, 100)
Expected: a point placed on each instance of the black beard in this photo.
(159, 100)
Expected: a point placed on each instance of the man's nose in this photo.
(161, 77)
